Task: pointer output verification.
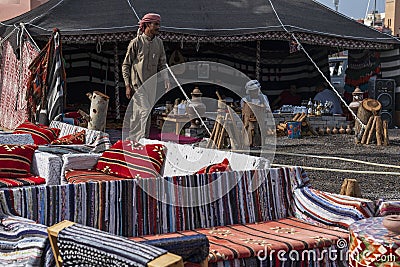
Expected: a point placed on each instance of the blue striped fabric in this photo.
(330, 209)
(124, 208)
(84, 246)
(24, 243)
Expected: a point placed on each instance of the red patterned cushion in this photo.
(217, 167)
(41, 134)
(15, 160)
(77, 138)
(130, 159)
(15, 182)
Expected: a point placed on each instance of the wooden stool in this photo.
(166, 260)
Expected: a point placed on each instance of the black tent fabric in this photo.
(201, 20)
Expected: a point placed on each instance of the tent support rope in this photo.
(188, 99)
(316, 66)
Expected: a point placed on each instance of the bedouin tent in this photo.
(257, 37)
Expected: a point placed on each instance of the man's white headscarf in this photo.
(252, 85)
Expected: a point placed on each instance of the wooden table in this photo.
(371, 244)
(179, 120)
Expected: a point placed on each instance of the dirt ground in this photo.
(377, 182)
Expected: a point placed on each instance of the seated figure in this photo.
(326, 94)
(287, 97)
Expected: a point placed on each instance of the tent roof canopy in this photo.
(201, 20)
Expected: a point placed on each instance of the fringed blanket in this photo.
(14, 74)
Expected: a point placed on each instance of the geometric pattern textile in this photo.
(15, 160)
(76, 138)
(285, 238)
(371, 244)
(14, 75)
(128, 159)
(84, 246)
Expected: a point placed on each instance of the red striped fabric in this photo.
(128, 159)
(83, 176)
(15, 160)
(41, 135)
(16, 182)
(245, 241)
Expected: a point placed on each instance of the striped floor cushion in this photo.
(83, 176)
(331, 209)
(16, 182)
(239, 243)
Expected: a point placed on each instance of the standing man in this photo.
(144, 57)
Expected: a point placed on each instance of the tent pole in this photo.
(116, 77)
(258, 59)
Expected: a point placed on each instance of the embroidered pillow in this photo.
(15, 160)
(217, 167)
(41, 134)
(77, 138)
(129, 159)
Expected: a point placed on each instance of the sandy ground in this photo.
(378, 181)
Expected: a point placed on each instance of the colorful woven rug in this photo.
(371, 244)
(14, 74)
(270, 241)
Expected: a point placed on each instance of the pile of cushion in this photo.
(15, 162)
(132, 160)
(43, 135)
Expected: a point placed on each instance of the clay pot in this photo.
(321, 131)
(328, 130)
(342, 130)
(392, 223)
(335, 130)
(348, 129)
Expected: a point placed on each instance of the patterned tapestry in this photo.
(363, 64)
(14, 75)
